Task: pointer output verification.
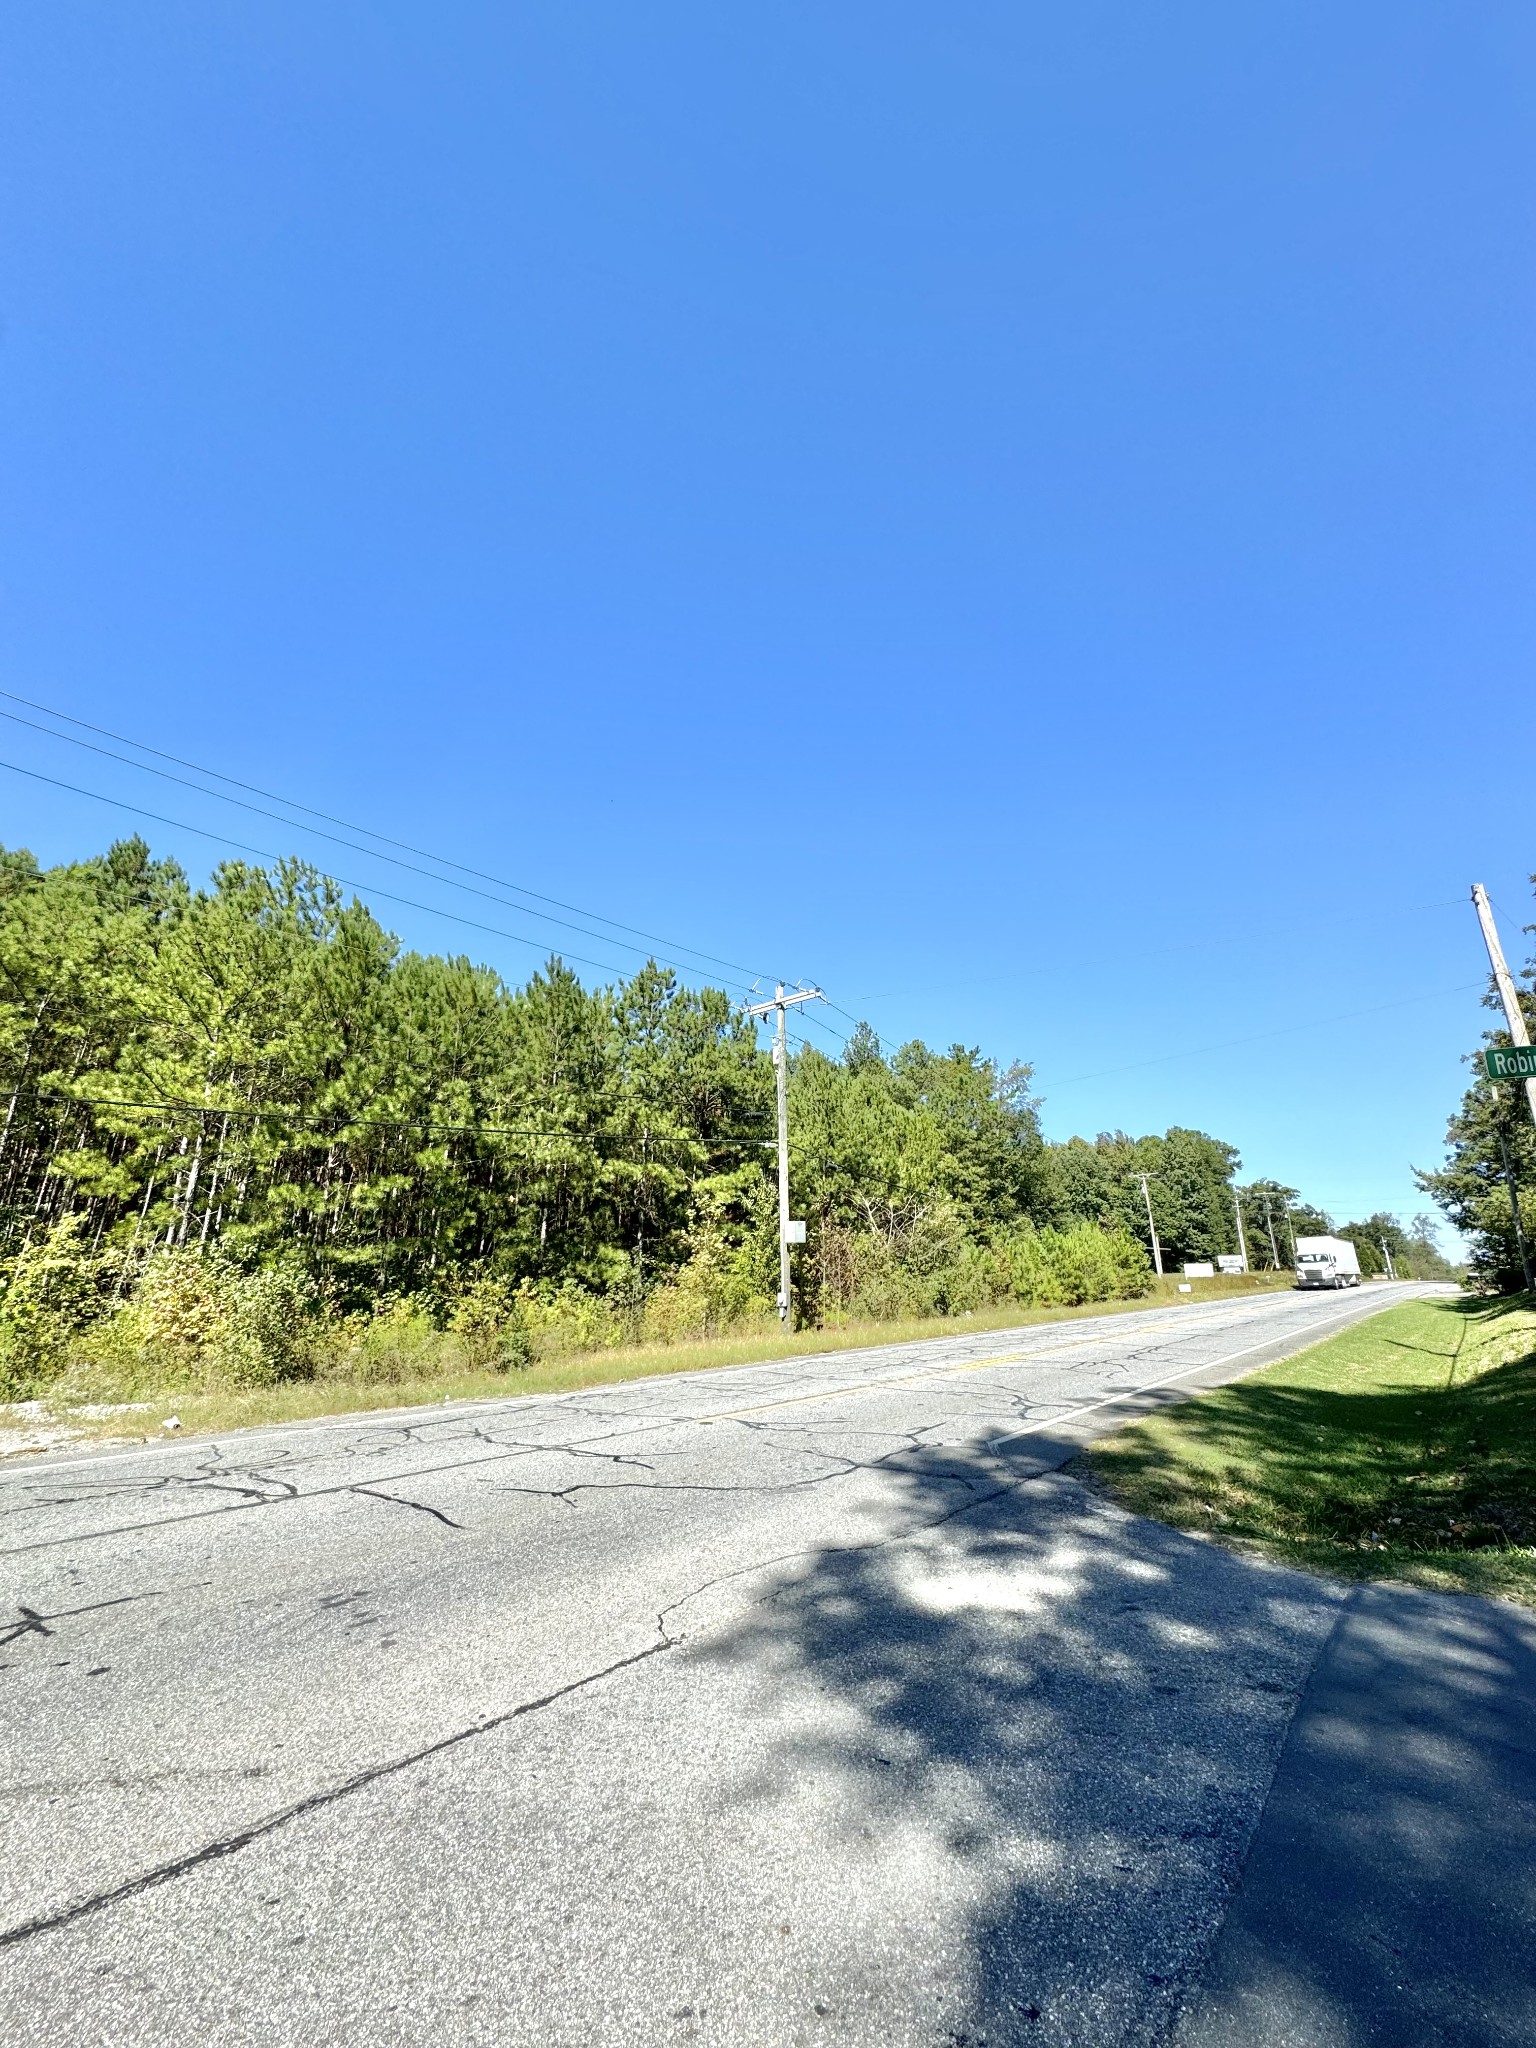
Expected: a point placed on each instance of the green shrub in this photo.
(196, 1320)
(400, 1341)
(925, 1264)
(1064, 1268)
(714, 1291)
(490, 1321)
(55, 1289)
(567, 1317)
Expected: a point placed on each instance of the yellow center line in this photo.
(935, 1372)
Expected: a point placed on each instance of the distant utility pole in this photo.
(1514, 1016)
(1269, 1224)
(783, 1003)
(1387, 1255)
(1242, 1242)
(1514, 1208)
(1157, 1250)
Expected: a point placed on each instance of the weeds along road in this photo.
(802, 1702)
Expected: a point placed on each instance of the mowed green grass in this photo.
(1403, 1449)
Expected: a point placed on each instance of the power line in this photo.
(348, 1124)
(262, 853)
(887, 1045)
(1509, 916)
(309, 810)
(856, 1022)
(1445, 903)
(371, 852)
(830, 1029)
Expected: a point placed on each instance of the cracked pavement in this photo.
(799, 1702)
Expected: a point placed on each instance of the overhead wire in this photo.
(423, 853)
(346, 1124)
(370, 852)
(1511, 917)
(831, 1030)
(885, 1045)
(447, 880)
(264, 853)
(1445, 903)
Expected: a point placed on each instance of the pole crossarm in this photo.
(783, 1001)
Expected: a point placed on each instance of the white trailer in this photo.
(1326, 1262)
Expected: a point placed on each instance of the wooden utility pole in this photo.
(1269, 1224)
(781, 1004)
(1514, 1016)
(1157, 1250)
(1514, 1203)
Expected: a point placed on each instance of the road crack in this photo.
(34, 1624)
(395, 1501)
(315, 1802)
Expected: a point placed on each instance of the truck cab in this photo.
(1326, 1262)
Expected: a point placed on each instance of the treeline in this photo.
(253, 1079)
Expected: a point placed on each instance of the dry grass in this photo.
(220, 1410)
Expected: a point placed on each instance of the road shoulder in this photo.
(1386, 1898)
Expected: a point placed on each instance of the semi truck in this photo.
(1326, 1262)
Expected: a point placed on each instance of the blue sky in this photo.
(1021, 514)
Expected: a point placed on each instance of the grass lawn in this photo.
(1403, 1449)
(221, 1408)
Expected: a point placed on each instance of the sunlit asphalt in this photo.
(803, 1702)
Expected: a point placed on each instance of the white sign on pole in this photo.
(794, 1231)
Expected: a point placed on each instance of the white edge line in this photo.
(1170, 1380)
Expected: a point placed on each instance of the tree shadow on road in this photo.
(1040, 1705)
(1050, 1729)
(1388, 1897)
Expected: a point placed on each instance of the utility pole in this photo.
(1386, 1254)
(1514, 1207)
(782, 1003)
(1269, 1224)
(1157, 1250)
(1514, 1016)
(1242, 1242)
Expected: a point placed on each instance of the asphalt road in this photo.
(806, 1702)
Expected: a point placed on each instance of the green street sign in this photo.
(1511, 1062)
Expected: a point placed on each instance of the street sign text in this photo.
(1510, 1062)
